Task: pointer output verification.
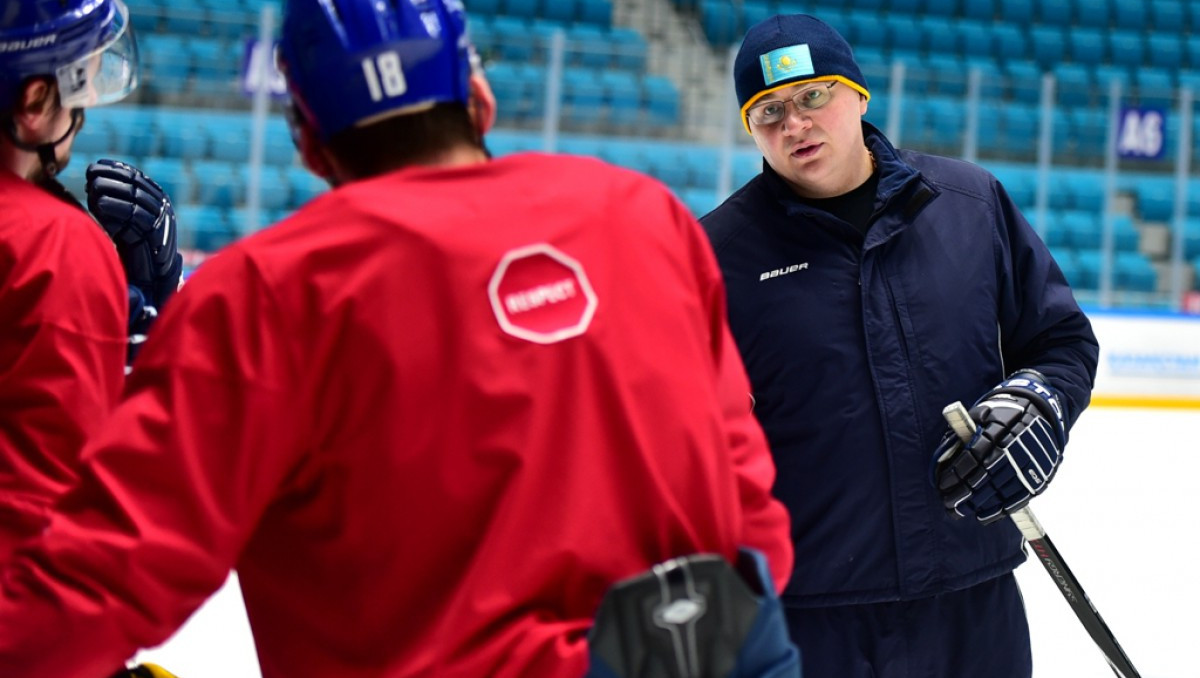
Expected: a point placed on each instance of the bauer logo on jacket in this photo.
(786, 270)
(541, 295)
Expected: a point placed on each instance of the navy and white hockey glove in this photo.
(138, 216)
(1020, 433)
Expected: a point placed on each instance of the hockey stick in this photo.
(1033, 532)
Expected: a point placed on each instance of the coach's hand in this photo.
(1020, 433)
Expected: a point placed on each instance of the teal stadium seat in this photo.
(902, 34)
(1018, 11)
(218, 183)
(1191, 238)
(977, 38)
(629, 49)
(1088, 46)
(186, 19)
(583, 98)
(182, 136)
(1165, 50)
(589, 46)
(1048, 42)
(667, 166)
(274, 191)
(1094, 13)
(1133, 271)
(662, 99)
(1168, 16)
(1053, 13)
(756, 11)
(864, 29)
(229, 134)
(1085, 191)
(1125, 46)
(946, 8)
(622, 95)
(947, 119)
(1155, 199)
(1082, 228)
(988, 137)
(746, 166)
(719, 22)
(203, 227)
(1130, 15)
(483, 7)
(561, 11)
(172, 175)
(512, 35)
(941, 37)
(520, 8)
(702, 164)
(165, 60)
(1090, 264)
(215, 65)
(95, 139)
(1009, 43)
(700, 201)
(278, 147)
(1125, 235)
(598, 12)
(984, 10)
(627, 154)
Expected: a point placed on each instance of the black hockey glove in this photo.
(137, 214)
(1019, 438)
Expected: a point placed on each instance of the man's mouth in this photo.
(808, 151)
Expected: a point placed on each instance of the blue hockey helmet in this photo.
(352, 62)
(87, 46)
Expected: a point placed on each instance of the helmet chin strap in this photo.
(46, 151)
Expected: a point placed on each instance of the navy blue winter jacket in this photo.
(854, 346)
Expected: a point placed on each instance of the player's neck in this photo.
(20, 163)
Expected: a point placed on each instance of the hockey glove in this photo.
(1015, 451)
(137, 214)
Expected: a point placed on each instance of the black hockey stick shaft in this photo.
(1033, 532)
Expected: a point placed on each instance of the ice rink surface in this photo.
(1123, 512)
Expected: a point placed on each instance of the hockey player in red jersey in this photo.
(62, 293)
(430, 418)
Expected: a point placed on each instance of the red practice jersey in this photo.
(429, 418)
(62, 348)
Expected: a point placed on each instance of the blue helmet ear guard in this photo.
(87, 46)
(350, 62)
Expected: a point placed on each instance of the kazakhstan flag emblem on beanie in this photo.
(786, 62)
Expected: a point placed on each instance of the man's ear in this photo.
(35, 106)
(483, 104)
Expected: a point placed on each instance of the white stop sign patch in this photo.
(541, 295)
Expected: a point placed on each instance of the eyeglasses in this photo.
(771, 112)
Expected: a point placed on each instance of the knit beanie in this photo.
(791, 49)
